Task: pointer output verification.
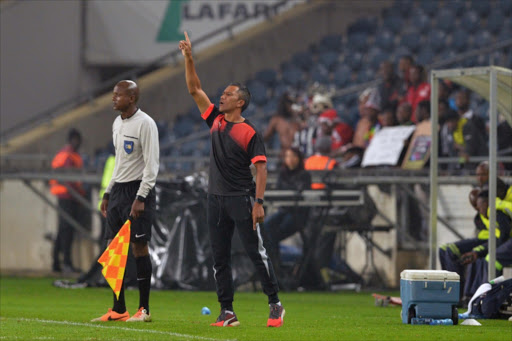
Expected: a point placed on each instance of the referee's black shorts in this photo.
(120, 203)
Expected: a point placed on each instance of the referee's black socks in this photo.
(144, 270)
(119, 304)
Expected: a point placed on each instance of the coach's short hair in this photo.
(243, 93)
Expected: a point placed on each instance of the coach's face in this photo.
(230, 100)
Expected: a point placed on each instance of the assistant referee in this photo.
(131, 193)
(234, 200)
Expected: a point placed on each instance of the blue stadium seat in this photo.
(429, 7)
(420, 21)
(393, 23)
(482, 39)
(470, 21)
(411, 40)
(352, 116)
(342, 75)
(402, 7)
(445, 20)
(358, 41)
(329, 59)
(436, 39)
(375, 57)
(506, 31)
(332, 42)
(354, 60)
(279, 89)
(460, 40)
(293, 76)
(365, 75)
(505, 6)
(446, 55)
(366, 25)
(183, 126)
(267, 76)
(495, 21)
(401, 51)
(481, 7)
(456, 6)
(320, 74)
(385, 40)
(258, 93)
(425, 56)
(303, 60)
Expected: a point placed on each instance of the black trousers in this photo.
(224, 213)
(65, 233)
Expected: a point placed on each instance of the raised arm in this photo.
(193, 82)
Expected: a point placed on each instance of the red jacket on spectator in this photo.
(416, 94)
(341, 133)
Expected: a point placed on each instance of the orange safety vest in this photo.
(66, 158)
(319, 162)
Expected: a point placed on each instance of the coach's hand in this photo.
(104, 207)
(137, 209)
(185, 46)
(258, 214)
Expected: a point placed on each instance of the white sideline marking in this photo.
(93, 325)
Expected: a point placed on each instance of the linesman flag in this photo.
(114, 258)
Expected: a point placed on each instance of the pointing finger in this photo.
(186, 37)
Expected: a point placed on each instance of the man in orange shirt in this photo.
(321, 160)
(67, 158)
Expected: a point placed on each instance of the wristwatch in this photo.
(141, 199)
(260, 201)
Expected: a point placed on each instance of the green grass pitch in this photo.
(32, 309)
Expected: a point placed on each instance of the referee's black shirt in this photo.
(234, 147)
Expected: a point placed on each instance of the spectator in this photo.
(404, 64)
(423, 111)
(403, 114)
(503, 191)
(352, 158)
(390, 86)
(447, 143)
(67, 158)
(305, 137)
(282, 123)
(503, 249)
(450, 254)
(443, 110)
(470, 134)
(287, 220)
(321, 160)
(340, 132)
(418, 90)
(368, 125)
(387, 117)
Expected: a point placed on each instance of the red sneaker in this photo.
(276, 316)
(112, 316)
(226, 319)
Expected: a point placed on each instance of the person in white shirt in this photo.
(130, 193)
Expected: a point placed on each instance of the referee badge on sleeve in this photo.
(128, 146)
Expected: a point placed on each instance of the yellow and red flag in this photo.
(114, 258)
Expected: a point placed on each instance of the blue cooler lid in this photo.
(429, 275)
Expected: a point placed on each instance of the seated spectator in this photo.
(305, 136)
(368, 124)
(283, 123)
(404, 64)
(403, 114)
(418, 90)
(390, 86)
(387, 117)
(321, 160)
(503, 191)
(340, 132)
(470, 134)
(444, 110)
(352, 158)
(423, 111)
(287, 220)
(452, 255)
(476, 273)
